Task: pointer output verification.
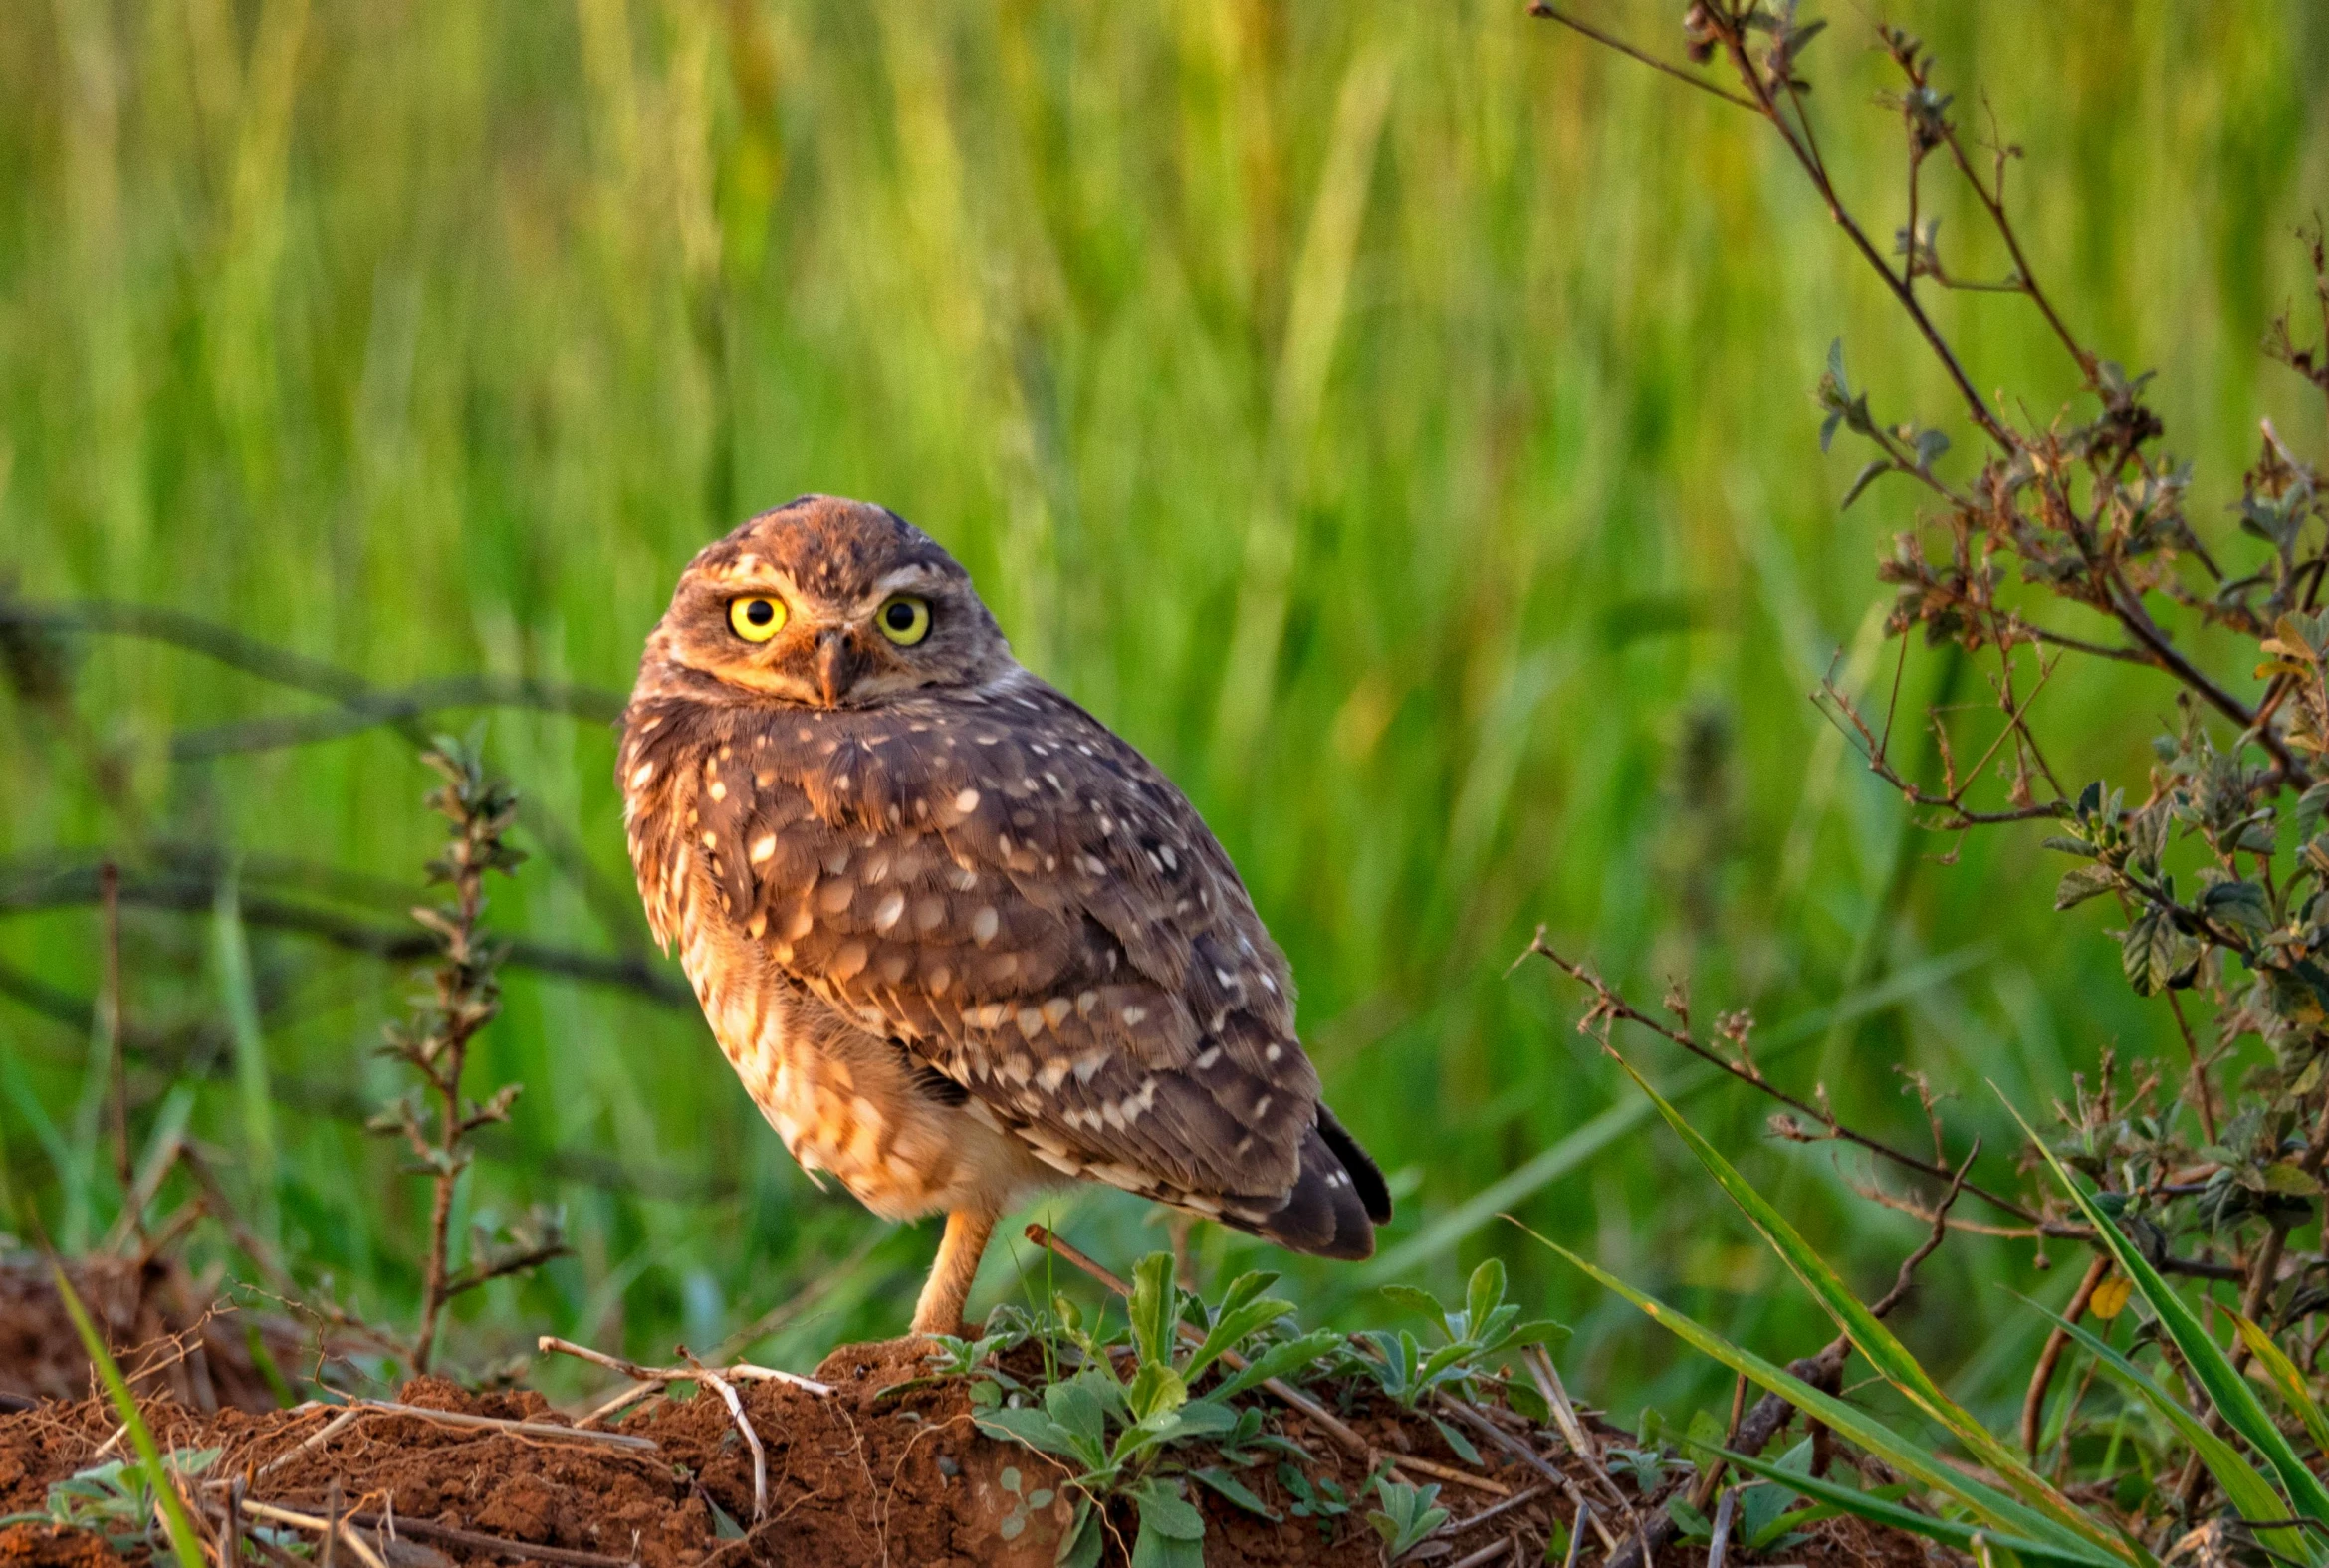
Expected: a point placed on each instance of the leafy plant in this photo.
(1471, 1339)
(118, 1499)
(2058, 539)
(1135, 1438)
(1023, 1503)
(1407, 1517)
(1320, 1499)
(434, 1120)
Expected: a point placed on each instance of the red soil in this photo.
(862, 1478)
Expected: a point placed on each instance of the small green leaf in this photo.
(1280, 1360)
(1227, 1485)
(1157, 1390)
(1459, 1444)
(1165, 1513)
(1422, 1302)
(1076, 1406)
(2154, 953)
(2081, 883)
(1034, 1429)
(1085, 1538)
(2310, 807)
(2292, 1180)
(1156, 1304)
(2237, 903)
(1692, 1525)
(1485, 1291)
(1875, 469)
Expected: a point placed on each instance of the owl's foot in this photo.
(948, 1290)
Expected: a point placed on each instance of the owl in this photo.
(958, 940)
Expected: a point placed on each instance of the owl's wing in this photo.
(1019, 898)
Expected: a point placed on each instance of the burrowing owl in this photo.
(958, 939)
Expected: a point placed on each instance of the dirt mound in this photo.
(868, 1476)
(170, 1334)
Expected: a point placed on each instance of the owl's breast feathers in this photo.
(995, 880)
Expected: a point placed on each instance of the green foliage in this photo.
(1143, 1437)
(1320, 1500)
(1472, 1340)
(2229, 1392)
(1407, 1516)
(118, 1499)
(2073, 540)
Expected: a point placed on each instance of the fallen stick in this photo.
(1518, 1499)
(653, 1380)
(526, 1429)
(316, 1438)
(330, 1529)
(1724, 1511)
(1452, 1472)
(1549, 1384)
(478, 1540)
(1486, 1554)
(760, 1455)
(623, 1402)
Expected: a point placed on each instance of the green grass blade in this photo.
(1868, 1335)
(2287, 1379)
(183, 1538)
(1891, 1515)
(1859, 1427)
(2244, 1485)
(253, 1087)
(2235, 1399)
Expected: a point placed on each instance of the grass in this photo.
(1393, 419)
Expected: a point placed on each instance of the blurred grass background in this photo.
(1394, 418)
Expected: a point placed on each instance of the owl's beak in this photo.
(837, 666)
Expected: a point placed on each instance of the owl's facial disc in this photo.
(827, 604)
(763, 630)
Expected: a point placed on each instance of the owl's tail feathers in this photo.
(1358, 1165)
(1338, 1199)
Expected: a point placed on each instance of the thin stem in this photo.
(1607, 1003)
(2206, 1101)
(1734, 38)
(1551, 13)
(108, 883)
(2034, 1403)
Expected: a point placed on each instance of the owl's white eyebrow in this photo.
(748, 574)
(914, 576)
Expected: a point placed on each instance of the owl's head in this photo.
(827, 604)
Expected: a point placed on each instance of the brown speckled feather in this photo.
(1045, 921)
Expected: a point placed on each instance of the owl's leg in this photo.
(949, 1286)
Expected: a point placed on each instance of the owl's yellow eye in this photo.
(904, 619)
(757, 618)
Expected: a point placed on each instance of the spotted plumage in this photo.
(956, 937)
